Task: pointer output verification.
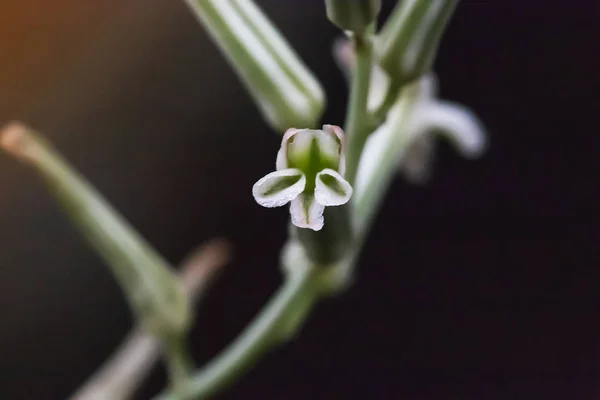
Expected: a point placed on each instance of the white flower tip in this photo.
(460, 125)
(281, 161)
(15, 139)
(288, 134)
(307, 213)
(341, 136)
(416, 165)
(279, 188)
(343, 54)
(316, 225)
(332, 189)
(335, 130)
(429, 86)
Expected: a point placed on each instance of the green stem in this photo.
(357, 119)
(261, 335)
(179, 365)
(367, 201)
(391, 96)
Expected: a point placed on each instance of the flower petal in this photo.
(417, 163)
(339, 133)
(343, 55)
(307, 213)
(281, 162)
(369, 160)
(279, 188)
(459, 125)
(332, 189)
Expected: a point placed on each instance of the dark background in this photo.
(481, 285)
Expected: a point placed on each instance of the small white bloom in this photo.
(430, 118)
(279, 188)
(459, 125)
(310, 169)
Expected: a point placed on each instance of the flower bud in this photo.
(409, 40)
(353, 15)
(283, 88)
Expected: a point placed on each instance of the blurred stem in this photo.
(154, 292)
(156, 295)
(179, 365)
(391, 96)
(120, 376)
(357, 125)
(368, 200)
(266, 330)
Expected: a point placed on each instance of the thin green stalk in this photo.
(179, 365)
(260, 336)
(155, 294)
(367, 201)
(357, 119)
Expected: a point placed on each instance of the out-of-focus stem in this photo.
(120, 376)
(357, 118)
(154, 292)
(264, 332)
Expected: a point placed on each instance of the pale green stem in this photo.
(357, 125)
(261, 335)
(120, 376)
(367, 201)
(155, 294)
(179, 365)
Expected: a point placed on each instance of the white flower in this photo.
(431, 117)
(309, 173)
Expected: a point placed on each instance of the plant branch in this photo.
(266, 330)
(146, 278)
(120, 376)
(357, 118)
(368, 199)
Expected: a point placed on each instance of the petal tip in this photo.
(278, 188)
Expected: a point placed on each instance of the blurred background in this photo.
(483, 284)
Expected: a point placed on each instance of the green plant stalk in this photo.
(179, 365)
(331, 243)
(367, 201)
(357, 125)
(266, 330)
(154, 292)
